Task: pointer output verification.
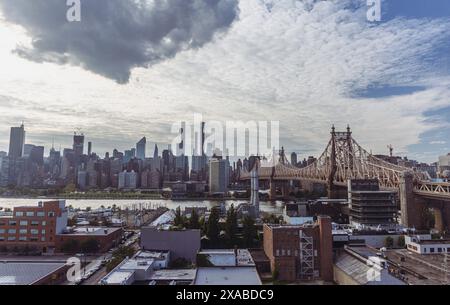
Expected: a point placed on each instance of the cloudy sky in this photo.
(131, 68)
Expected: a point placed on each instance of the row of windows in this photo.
(21, 238)
(22, 231)
(284, 252)
(32, 214)
(436, 250)
(24, 223)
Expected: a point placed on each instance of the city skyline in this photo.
(235, 71)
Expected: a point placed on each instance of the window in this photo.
(35, 223)
(424, 250)
(283, 252)
(23, 231)
(11, 238)
(448, 250)
(23, 238)
(431, 250)
(42, 238)
(23, 223)
(34, 231)
(12, 231)
(44, 223)
(51, 214)
(2, 238)
(2, 231)
(296, 252)
(277, 253)
(30, 214)
(43, 232)
(2, 223)
(19, 214)
(34, 239)
(13, 223)
(40, 214)
(289, 252)
(439, 250)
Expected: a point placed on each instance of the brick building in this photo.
(300, 251)
(43, 228)
(34, 226)
(106, 237)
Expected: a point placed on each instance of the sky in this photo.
(132, 68)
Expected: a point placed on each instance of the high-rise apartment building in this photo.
(218, 176)
(78, 144)
(140, 148)
(16, 142)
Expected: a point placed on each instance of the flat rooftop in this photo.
(117, 277)
(227, 276)
(157, 255)
(174, 275)
(26, 273)
(133, 264)
(227, 257)
(93, 231)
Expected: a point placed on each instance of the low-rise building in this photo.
(106, 237)
(424, 244)
(226, 267)
(300, 252)
(34, 226)
(362, 266)
(183, 244)
(32, 272)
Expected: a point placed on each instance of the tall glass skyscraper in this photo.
(140, 148)
(16, 142)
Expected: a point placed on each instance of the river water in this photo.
(270, 207)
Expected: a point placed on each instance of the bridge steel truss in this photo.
(344, 159)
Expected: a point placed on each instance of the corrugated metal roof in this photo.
(23, 273)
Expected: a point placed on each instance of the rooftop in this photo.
(157, 255)
(26, 273)
(118, 277)
(228, 257)
(174, 275)
(94, 231)
(227, 276)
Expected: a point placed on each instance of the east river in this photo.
(270, 207)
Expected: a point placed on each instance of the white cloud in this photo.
(299, 66)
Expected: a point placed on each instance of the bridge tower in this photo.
(411, 206)
(254, 181)
(331, 188)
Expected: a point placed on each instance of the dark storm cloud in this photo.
(115, 36)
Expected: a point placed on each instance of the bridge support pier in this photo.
(441, 216)
(438, 220)
(411, 206)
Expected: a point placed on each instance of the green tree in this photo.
(249, 231)
(90, 245)
(70, 246)
(179, 220)
(231, 225)
(401, 241)
(212, 226)
(194, 221)
(389, 242)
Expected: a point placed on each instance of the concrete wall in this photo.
(181, 244)
(342, 278)
(376, 241)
